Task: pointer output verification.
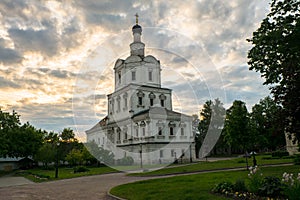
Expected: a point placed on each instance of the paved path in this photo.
(86, 187)
(6, 181)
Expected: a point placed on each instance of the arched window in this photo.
(140, 95)
(151, 97)
(125, 100)
(119, 103)
(171, 127)
(162, 98)
(118, 134)
(119, 76)
(125, 133)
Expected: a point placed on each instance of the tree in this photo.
(205, 116)
(237, 133)
(211, 121)
(74, 157)
(266, 124)
(276, 55)
(46, 154)
(67, 142)
(18, 140)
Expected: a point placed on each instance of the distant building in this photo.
(140, 121)
(291, 147)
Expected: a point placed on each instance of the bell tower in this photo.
(137, 48)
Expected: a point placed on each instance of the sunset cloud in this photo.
(57, 57)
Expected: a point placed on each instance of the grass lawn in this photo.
(191, 186)
(201, 166)
(37, 174)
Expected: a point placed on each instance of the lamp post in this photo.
(141, 155)
(253, 153)
(56, 161)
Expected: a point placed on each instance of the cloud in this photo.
(30, 40)
(4, 83)
(8, 55)
(57, 57)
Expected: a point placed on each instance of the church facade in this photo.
(140, 120)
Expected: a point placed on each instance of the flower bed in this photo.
(261, 187)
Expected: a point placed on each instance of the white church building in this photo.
(140, 120)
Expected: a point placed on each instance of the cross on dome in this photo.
(136, 18)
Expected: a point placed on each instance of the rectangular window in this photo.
(162, 103)
(125, 135)
(119, 136)
(150, 75)
(159, 131)
(144, 131)
(171, 131)
(119, 105)
(125, 103)
(140, 101)
(182, 131)
(137, 132)
(119, 76)
(161, 153)
(133, 76)
(151, 102)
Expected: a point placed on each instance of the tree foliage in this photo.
(205, 116)
(18, 140)
(46, 154)
(211, 122)
(276, 55)
(266, 125)
(237, 133)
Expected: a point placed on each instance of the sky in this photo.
(57, 57)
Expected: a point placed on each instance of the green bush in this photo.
(80, 169)
(271, 186)
(280, 154)
(255, 180)
(293, 193)
(239, 186)
(224, 188)
(297, 159)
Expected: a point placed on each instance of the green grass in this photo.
(202, 166)
(190, 187)
(63, 173)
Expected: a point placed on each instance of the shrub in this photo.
(280, 154)
(240, 186)
(241, 161)
(271, 187)
(80, 169)
(297, 159)
(255, 179)
(291, 186)
(224, 188)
